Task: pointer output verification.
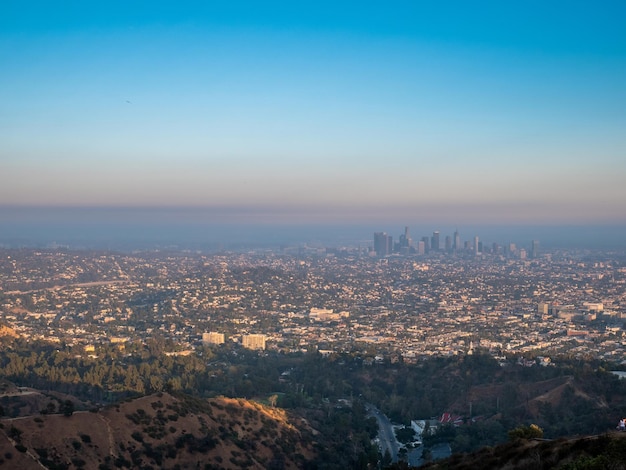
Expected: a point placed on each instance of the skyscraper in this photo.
(383, 243)
(534, 250)
(457, 241)
(405, 240)
(435, 241)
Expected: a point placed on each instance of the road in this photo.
(387, 440)
(386, 435)
(21, 391)
(64, 286)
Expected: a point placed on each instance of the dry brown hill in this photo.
(18, 402)
(607, 451)
(540, 390)
(160, 431)
(530, 395)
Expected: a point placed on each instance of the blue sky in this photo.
(463, 112)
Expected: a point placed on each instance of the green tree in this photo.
(405, 434)
(386, 460)
(67, 408)
(156, 383)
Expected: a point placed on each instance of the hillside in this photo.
(607, 451)
(160, 431)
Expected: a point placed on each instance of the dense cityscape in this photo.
(320, 236)
(405, 300)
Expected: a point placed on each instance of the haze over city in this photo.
(284, 235)
(282, 114)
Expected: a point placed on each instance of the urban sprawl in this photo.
(397, 301)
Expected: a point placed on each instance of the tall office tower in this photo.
(434, 244)
(255, 341)
(448, 243)
(421, 247)
(476, 245)
(457, 241)
(534, 251)
(426, 241)
(383, 244)
(380, 243)
(405, 240)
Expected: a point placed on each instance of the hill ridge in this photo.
(607, 450)
(161, 431)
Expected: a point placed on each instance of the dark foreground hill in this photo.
(607, 451)
(160, 432)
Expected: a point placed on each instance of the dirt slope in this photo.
(160, 431)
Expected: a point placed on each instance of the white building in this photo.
(255, 341)
(213, 338)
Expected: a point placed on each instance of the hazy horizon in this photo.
(194, 228)
(349, 113)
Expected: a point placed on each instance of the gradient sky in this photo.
(508, 112)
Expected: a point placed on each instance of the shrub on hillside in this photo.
(526, 432)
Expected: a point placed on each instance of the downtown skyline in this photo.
(354, 114)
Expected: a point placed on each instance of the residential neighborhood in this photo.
(403, 306)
